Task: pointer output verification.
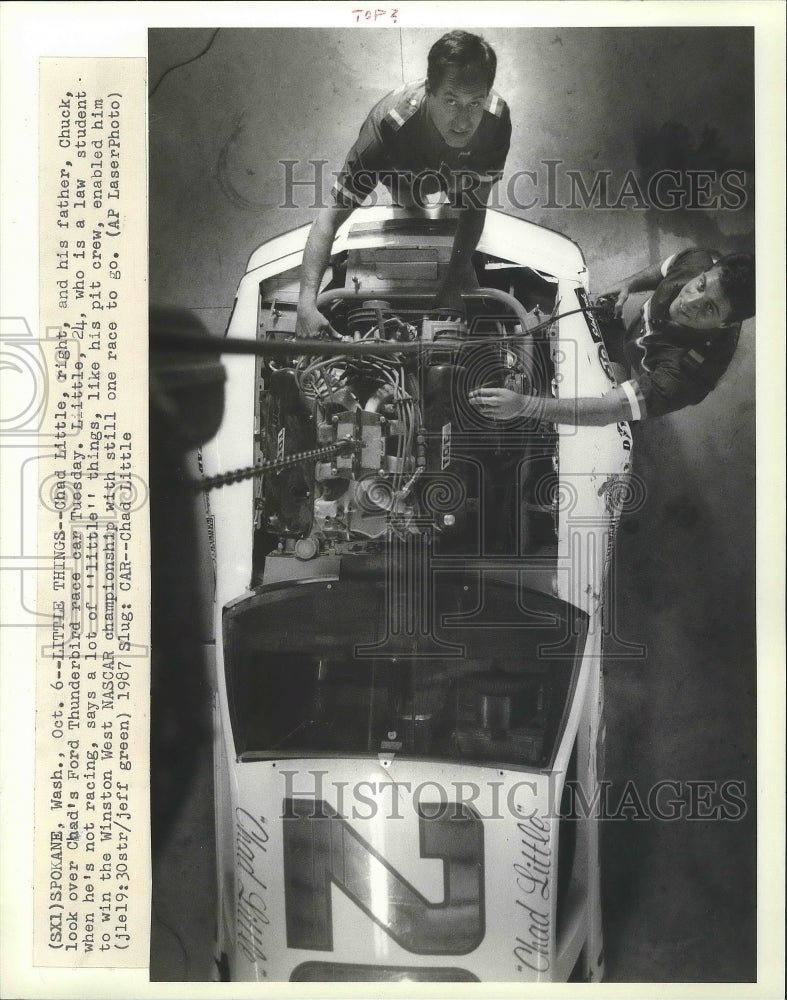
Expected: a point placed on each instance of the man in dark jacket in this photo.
(676, 351)
(449, 134)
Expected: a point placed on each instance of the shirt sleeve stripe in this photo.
(494, 105)
(633, 400)
(667, 264)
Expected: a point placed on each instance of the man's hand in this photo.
(311, 324)
(618, 295)
(586, 411)
(503, 404)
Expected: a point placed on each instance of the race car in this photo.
(408, 729)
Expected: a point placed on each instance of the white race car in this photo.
(408, 701)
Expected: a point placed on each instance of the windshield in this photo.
(325, 668)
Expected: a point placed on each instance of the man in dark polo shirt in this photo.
(449, 133)
(676, 351)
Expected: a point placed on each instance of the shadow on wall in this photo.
(701, 174)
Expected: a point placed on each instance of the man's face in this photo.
(456, 108)
(701, 304)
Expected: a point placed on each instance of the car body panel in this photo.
(417, 897)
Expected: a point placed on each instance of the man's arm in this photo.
(310, 322)
(503, 404)
(461, 277)
(646, 280)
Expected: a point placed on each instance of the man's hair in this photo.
(465, 54)
(736, 278)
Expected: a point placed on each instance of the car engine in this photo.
(378, 437)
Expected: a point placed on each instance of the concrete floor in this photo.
(679, 896)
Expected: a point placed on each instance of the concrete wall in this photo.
(679, 895)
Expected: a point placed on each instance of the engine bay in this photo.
(379, 439)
